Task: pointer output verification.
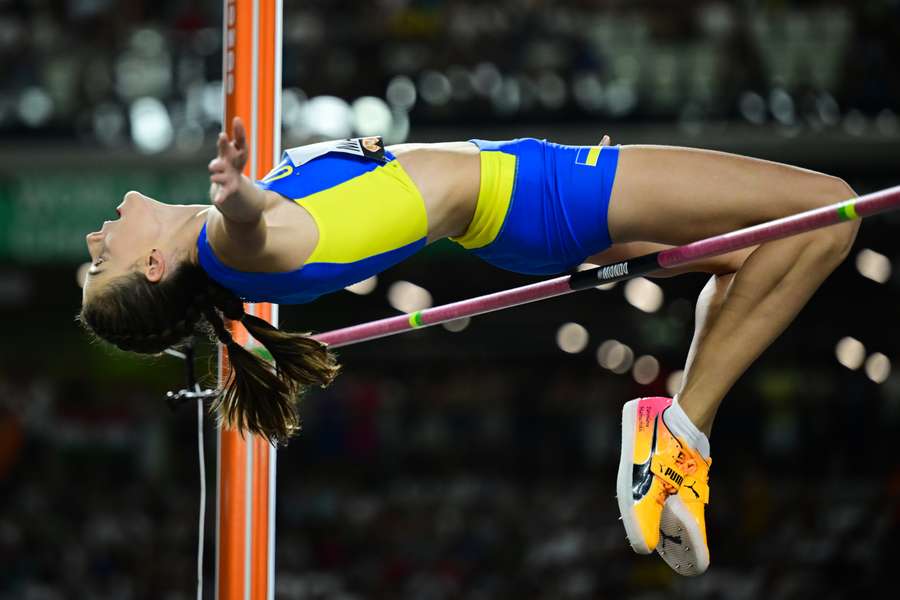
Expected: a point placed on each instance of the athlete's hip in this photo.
(542, 207)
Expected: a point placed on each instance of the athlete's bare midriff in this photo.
(448, 176)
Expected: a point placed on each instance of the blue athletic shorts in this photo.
(541, 206)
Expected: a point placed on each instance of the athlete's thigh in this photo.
(677, 195)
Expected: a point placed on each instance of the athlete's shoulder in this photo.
(306, 170)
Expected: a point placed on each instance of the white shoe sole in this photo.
(624, 483)
(681, 542)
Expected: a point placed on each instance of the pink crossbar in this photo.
(864, 206)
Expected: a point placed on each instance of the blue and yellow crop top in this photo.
(369, 215)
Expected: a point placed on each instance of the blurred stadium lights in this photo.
(856, 123)
(643, 294)
(461, 83)
(674, 381)
(434, 87)
(646, 369)
(151, 126)
(364, 287)
(457, 325)
(399, 130)
(189, 135)
(292, 102)
(621, 98)
(551, 90)
(873, 265)
(109, 123)
(621, 69)
(752, 107)
(194, 110)
(507, 99)
(371, 116)
(887, 122)
(615, 356)
(878, 367)
(572, 338)
(401, 92)
(486, 79)
(207, 41)
(781, 104)
(528, 91)
(328, 117)
(588, 91)
(828, 110)
(850, 352)
(145, 67)
(408, 297)
(212, 101)
(35, 106)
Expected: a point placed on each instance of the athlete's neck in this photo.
(185, 221)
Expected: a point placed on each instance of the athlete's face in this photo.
(123, 245)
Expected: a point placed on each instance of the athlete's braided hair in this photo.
(138, 315)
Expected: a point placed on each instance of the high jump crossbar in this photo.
(832, 214)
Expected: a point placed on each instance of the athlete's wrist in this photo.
(245, 204)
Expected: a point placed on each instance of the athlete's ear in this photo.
(155, 267)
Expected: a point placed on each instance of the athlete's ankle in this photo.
(700, 411)
(682, 424)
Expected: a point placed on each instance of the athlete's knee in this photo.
(835, 242)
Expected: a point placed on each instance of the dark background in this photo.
(477, 464)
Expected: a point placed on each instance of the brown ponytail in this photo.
(137, 315)
(254, 397)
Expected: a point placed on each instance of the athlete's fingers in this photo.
(222, 144)
(239, 158)
(217, 165)
(221, 175)
(240, 134)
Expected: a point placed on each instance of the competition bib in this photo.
(368, 147)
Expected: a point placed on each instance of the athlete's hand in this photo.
(225, 169)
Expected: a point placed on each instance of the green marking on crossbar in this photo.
(847, 212)
(415, 319)
(263, 353)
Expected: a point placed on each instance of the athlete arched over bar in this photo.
(335, 213)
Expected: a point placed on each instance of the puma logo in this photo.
(691, 487)
(674, 476)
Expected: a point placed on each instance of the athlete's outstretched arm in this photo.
(236, 197)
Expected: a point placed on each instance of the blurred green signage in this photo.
(45, 213)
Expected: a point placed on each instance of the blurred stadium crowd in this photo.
(148, 74)
(452, 482)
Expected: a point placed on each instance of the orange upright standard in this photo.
(245, 511)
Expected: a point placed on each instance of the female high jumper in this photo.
(335, 213)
